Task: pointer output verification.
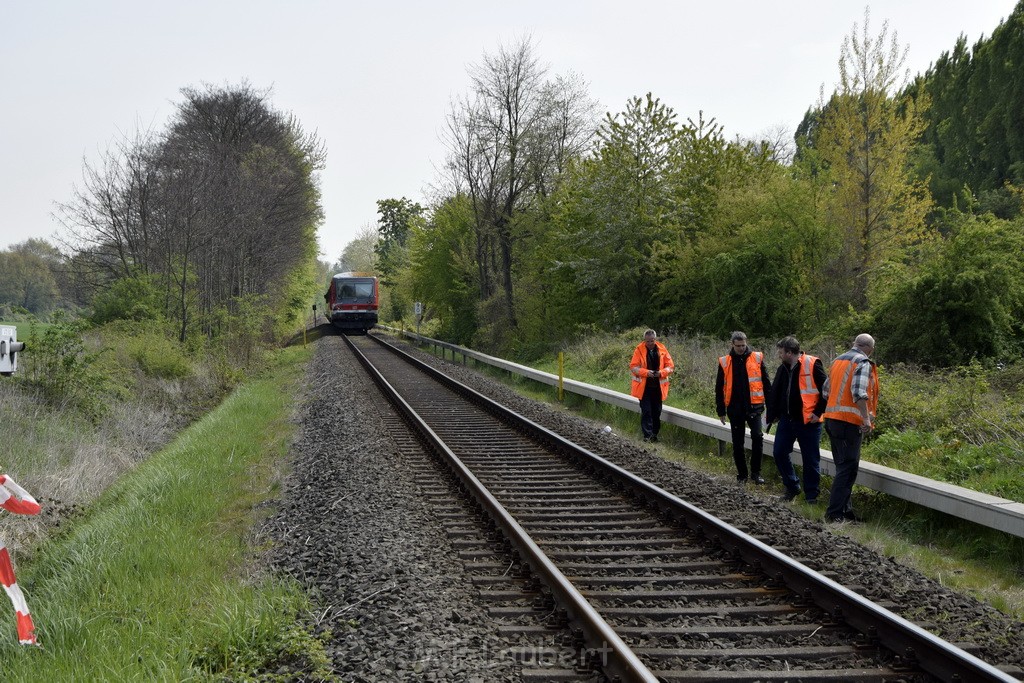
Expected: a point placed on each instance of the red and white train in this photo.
(352, 301)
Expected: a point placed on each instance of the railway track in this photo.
(640, 585)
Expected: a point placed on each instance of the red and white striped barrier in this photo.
(15, 499)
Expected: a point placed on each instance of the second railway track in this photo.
(647, 587)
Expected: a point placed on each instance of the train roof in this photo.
(353, 274)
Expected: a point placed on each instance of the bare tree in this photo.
(223, 205)
(508, 141)
(360, 254)
(109, 217)
(258, 200)
(565, 130)
(775, 143)
(472, 164)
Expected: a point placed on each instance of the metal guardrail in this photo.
(981, 508)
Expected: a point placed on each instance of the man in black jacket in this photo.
(797, 403)
(740, 390)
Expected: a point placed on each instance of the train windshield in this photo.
(355, 290)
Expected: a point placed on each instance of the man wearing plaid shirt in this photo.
(852, 395)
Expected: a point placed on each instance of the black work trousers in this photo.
(738, 424)
(650, 412)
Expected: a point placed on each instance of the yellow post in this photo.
(561, 373)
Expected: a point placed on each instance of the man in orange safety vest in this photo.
(852, 395)
(740, 390)
(650, 368)
(797, 405)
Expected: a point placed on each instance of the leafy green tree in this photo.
(865, 141)
(28, 276)
(761, 265)
(757, 249)
(626, 219)
(968, 302)
(41, 249)
(1004, 202)
(703, 163)
(396, 219)
(443, 271)
(614, 206)
(324, 270)
(137, 298)
(711, 179)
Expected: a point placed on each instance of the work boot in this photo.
(788, 496)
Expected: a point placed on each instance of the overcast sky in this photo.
(375, 78)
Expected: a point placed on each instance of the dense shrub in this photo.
(157, 356)
(135, 298)
(962, 425)
(57, 363)
(967, 303)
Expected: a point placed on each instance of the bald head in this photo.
(865, 343)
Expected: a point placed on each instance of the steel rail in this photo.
(917, 646)
(618, 659)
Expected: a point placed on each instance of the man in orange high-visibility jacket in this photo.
(797, 405)
(650, 367)
(852, 403)
(740, 390)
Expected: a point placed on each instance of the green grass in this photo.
(23, 328)
(963, 556)
(156, 582)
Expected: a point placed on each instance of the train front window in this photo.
(356, 290)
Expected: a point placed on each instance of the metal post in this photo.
(561, 375)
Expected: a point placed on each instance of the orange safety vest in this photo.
(808, 389)
(753, 377)
(841, 405)
(638, 368)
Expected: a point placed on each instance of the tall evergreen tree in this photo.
(975, 133)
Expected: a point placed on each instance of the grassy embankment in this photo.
(964, 426)
(156, 580)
